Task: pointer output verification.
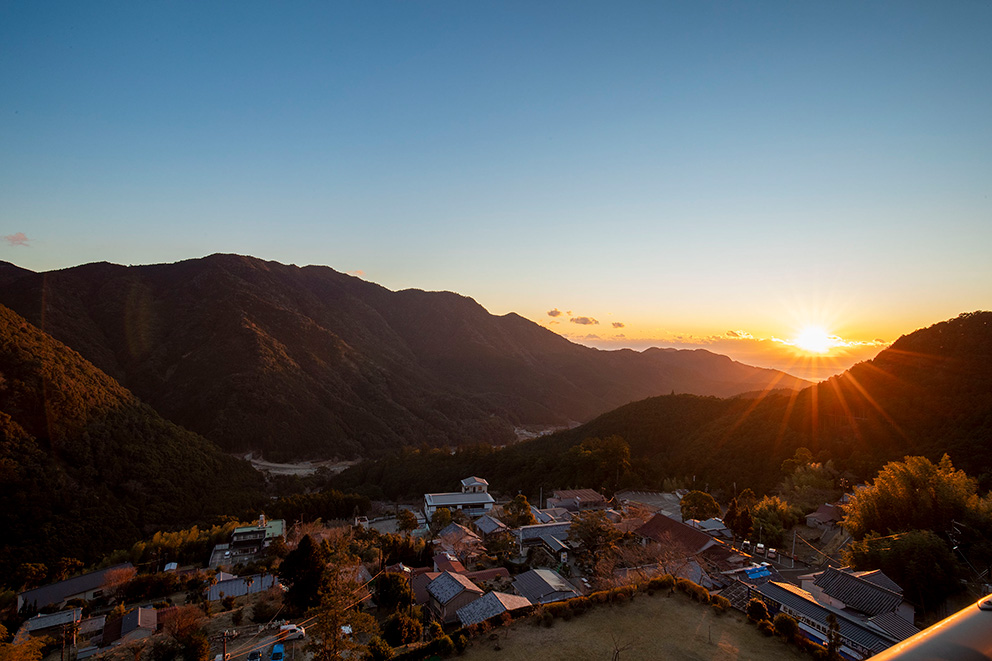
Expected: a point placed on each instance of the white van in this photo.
(759, 549)
(291, 632)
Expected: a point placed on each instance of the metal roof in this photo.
(536, 531)
(457, 498)
(488, 524)
(56, 593)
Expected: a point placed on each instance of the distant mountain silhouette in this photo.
(927, 394)
(85, 467)
(310, 362)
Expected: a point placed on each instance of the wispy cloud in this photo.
(618, 324)
(358, 273)
(554, 313)
(584, 321)
(18, 239)
(739, 335)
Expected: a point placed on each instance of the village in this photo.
(555, 556)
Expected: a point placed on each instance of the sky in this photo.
(690, 174)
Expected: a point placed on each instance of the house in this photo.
(489, 525)
(544, 586)
(459, 540)
(713, 527)
(551, 515)
(577, 500)
(135, 625)
(490, 605)
(419, 582)
(449, 592)
(859, 639)
(826, 516)
(247, 542)
(447, 562)
(666, 531)
(473, 499)
(88, 587)
(869, 593)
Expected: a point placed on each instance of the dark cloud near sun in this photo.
(584, 321)
(18, 239)
(554, 313)
(618, 324)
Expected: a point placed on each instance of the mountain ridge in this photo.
(310, 362)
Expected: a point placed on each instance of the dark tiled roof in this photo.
(894, 625)
(447, 586)
(488, 574)
(490, 605)
(587, 495)
(543, 586)
(802, 602)
(662, 529)
(857, 593)
(536, 531)
(488, 524)
(878, 578)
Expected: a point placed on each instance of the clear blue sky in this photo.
(681, 168)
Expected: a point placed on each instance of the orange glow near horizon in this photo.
(814, 339)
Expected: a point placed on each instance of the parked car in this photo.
(291, 632)
(746, 546)
(759, 549)
(277, 652)
(772, 554)
(254, 655)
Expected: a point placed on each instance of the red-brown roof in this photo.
(663, 530)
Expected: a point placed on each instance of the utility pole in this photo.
(793, 548)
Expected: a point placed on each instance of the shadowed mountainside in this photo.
(309, 362)
(85, 466)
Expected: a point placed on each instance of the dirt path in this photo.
(302, 468)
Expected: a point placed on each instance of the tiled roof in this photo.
(490, 605)
(419, 584)
(894, 625)
(488, 574)
(447, 586)
(488, 524)
(535, 532)
(445, 562)
(802, 602)
(543, 586)
(880, 579)
(857, 593)
(458, 532)
(473, 481)
(56, 593)
(661, 529)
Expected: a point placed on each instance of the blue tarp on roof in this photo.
(757, 572)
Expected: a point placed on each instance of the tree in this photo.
(31, 573)
(440, 520)
(738, 519)
(304, 572)
(406, 521)
(183, 622)
(339, 624)
(913, 494)
(594, 531)
(22, 648)
(401, 629)
(699, 505)
(116, 580)
(65, 568)
(378, 650)
(393, 591)
(919, 560)
(774, 516)
(517, 512)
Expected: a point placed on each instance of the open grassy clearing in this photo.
(650, 627)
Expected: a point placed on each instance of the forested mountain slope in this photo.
(85, 467)
(310, 362)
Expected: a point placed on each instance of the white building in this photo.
(473, 499)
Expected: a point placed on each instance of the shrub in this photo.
(547, 619)
(378, 650)
(461, 643)
(580, 605)
(757, 610)
(720, 603)
(227, 603)
(786, 626)
(695, 591)
(237, 617)
(444, 646)
(663, 582)
(766, 627)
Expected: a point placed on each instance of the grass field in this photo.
(650, 627)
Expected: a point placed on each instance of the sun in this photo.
(814, 339)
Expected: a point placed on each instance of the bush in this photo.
(663, 582)
(580, 605)
(695, 591)
(757, 610)
(720, 603)
(786, 626)
(378, 650)
(547, 619)
(461, 643)
(444, 646)
(237, 617)
(263, 611)
(766, 627)
(400, 629)
(227, 603)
